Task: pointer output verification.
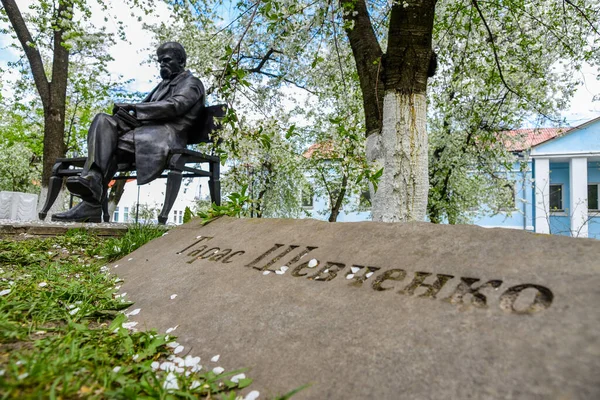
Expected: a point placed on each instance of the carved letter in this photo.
(543, 299)
(199, 250)
(227, 259)
(328, 272)
(389, 275)
(209, 253)
(465, 287)
(202, 238)
(358, 280)
(272, 249)
(296, 271)
(220, 255)
(432, 289)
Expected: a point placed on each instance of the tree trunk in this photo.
(400, 146)
(401, 149)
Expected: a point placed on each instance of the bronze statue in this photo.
(142, 133)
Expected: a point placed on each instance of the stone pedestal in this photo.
(18, 206)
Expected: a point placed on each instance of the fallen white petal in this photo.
(22, 376)
(326, 271)
(116, 369)
(170, 380)
(218, 370)
(172, 329)
(172, 344)
(155, 365)
(195, 384)
(129, 325)
(313, 263)
(178, 349)
(368, 275)
(196, 368)
(134, 312)
(135, 357)
(42, 284)
(253, 395)
(191, 361)
(354, 269)
(116, 266)
(215, 358)
(74, 311)
(284, 268)
(166, 365)
(179, 361)
(280, 272)
(236, 378)
(71, 306)
(349, 276)
(4, 292)
(173, 296)
(266, 272)
(129, 259)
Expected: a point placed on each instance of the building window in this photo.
(116, 215)
(556, 198)
(307, 198)
(180, 216)
(593, 197)
(175, 216)
(125, 214)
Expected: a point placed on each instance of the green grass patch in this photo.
(61, 333)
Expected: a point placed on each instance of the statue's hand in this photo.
(125, 106)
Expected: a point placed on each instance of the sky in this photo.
(131, 62)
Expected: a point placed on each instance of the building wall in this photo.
(521, 216)
(153, 194)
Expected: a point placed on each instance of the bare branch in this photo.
(33, 55)
(494, 50)
(584, 15)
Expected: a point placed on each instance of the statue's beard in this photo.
(165, 73)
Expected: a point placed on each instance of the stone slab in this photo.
(10, 228)
(448, 311)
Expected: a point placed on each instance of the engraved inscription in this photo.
(526, 298)
(543, 299)
(432, 289)
(465, 287)
(328, 272)
(358, 274)
(389, 275)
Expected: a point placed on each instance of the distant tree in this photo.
(18, 169)
(66, 56)
(187, 215)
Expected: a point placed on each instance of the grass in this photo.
(61, 333)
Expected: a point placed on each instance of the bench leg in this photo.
(214, 184)
(54, 185)
(173, 185)
(105, 216)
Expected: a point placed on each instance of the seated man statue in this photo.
(142, 133)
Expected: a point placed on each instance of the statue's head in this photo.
(171, 57)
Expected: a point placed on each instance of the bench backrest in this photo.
(207, 123)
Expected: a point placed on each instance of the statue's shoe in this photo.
(82, 212)
(88, 187)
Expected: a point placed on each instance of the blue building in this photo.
(557, 191)
(556, 181)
